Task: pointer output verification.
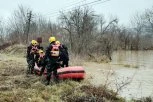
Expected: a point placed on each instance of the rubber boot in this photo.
(48, 79)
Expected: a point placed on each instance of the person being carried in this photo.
(64, 56)
(32, 51)
(40, 62)
(51, 59)
(40, 58)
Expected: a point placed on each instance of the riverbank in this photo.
(129, 74)
(16, 86)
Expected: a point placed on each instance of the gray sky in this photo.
(123, 9)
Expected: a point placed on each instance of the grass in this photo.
(17, 50)
(67, 91)
(16, 86)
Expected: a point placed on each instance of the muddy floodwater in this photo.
(131, 72)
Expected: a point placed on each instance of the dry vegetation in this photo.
(16, 86)
(17, 50)
(130, 66)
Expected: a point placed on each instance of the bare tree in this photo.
(143, 27)
(108, 36)
(137, 24)
(18, 24)
(1, 32)
(148, 20)
(80, 24)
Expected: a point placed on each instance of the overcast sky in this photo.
(123, 9)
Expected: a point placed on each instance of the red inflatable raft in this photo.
(75, 72)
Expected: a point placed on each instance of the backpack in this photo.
(64, 53)
(55, 50)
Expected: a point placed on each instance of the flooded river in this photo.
(131, 72)
(137, 65)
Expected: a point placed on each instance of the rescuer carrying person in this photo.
(32, 51)
(52, 57)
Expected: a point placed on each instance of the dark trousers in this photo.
(65, 63)
(52, 66)
(43, 65)
(31, 64)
